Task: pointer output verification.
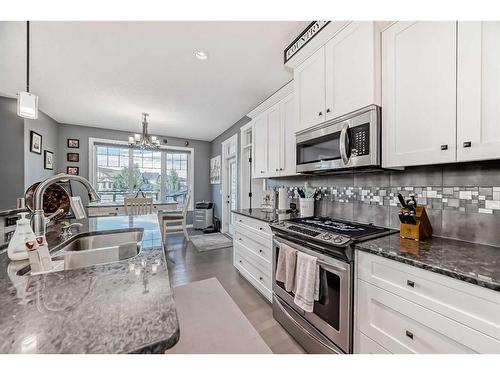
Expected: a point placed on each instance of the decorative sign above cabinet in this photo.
(312, 30)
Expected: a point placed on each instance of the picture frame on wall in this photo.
(35, 142)
(73, 143)
(48, 159)
(215, 170)
(73, 157)
(74, 171)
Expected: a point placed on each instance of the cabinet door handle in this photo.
(240, 239)
(320, 114)
(328, 110)
(444, 147)
(409, 334)
(467, 144)
(410, 283)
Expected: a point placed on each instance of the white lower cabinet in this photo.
(404, 309)
(252, 244)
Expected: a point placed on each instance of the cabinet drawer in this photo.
(253, 224)
(367, 346)
(258, 275)
(472, 305)
(402, 326)
(261, 248)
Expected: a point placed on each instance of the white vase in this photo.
(306, 207)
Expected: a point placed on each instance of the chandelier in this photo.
(144, 141)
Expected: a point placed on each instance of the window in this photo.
(119, 171)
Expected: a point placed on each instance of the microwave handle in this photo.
(344, 143)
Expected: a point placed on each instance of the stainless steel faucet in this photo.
(38, 221)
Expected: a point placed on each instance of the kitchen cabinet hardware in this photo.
(240, 239)
(320, 113)
(328, 110)
(409, 334)
(467, 144)
(444, 147)
(410, 283)
(240, 261)
(261, 278)
(260, 251)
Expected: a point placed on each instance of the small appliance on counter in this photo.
(203, 215)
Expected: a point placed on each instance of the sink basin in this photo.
(87, 250)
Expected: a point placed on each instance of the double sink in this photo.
(86, 249)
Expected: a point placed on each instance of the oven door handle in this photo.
(344, 143)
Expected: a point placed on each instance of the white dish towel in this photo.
(285, 267)
(306, 281)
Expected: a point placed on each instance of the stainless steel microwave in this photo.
(347, 142)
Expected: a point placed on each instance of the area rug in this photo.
(211, 322)
(213, 241)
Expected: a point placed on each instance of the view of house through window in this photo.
(161, 174)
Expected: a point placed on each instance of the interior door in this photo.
(478, 96)
(351, 69)
(260, 146)
(274, 140)
(232, 196)
(419, 93)
(309, 88)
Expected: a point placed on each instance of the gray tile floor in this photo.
(186, 265)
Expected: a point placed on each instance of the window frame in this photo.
(93, 142)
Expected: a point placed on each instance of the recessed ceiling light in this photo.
(201, 55)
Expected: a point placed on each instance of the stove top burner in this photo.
(346, 228)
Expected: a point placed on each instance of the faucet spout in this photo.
(38, 220)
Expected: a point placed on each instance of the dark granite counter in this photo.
(122, 307)
(473, 263)
(267, 216)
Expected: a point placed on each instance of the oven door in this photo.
(332, 313)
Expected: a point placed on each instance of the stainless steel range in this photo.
(328, 329)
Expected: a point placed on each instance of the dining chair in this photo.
(178, 218)
(138, 206)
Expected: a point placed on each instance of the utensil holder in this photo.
(306, 207)
(419, 231)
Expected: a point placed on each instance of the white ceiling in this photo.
(104, 74)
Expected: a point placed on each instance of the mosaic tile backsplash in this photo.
(463, 200)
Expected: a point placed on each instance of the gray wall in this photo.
(216, 149)
(11, 153)
(83, 133)
(457, 197)
(34, 170)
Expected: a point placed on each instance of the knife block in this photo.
(419, 231)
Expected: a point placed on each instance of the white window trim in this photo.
(92, 159)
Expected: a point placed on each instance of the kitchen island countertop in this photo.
(265, 215)
(121, 307)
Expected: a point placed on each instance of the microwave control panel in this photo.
(360, 140)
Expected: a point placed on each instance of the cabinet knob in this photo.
(467, 144)
(320, 114)
(277, 169)
(240, 239)
(328, 110)
(261, 228)
(240, 261)
(410, 283)
(261, 171)
(281, 169)
(260, 251)
(444, 147)
(260, 278)
(409, 334)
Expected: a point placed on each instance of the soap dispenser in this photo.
(23, 233)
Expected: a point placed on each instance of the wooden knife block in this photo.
(422, 229)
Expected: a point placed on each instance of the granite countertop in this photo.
(119, 204)
(264, 215)
(470, 262)
(121, 307)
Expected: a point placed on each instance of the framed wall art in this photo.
(73, 143)
(35, 142)
(48, 159)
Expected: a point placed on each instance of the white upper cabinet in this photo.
(419, 93)
(341, 77)
(352, 62)
(274, 139)
(309, 88)
(289, 126)
(260, 136)
(478, 95)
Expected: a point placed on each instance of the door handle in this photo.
(343, 143)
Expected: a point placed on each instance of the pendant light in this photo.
(27, 103)
(144, 140)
